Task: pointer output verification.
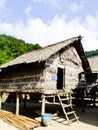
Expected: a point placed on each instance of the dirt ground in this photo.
(87, 120)
(5, 126)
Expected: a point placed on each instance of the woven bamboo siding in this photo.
(30, 80)
(72, 63)
(71, 77)
(51, 68)
(38, 78)
(73, 67)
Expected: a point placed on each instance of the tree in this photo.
(11, 47)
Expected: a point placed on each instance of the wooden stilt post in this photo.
(17, 104)
(43, 105)
(0, 100)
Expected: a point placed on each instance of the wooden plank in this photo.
(71, 112)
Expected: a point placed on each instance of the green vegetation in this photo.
(10, 48)
(91, 53)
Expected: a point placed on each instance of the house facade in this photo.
(43, 71)
(46, 70)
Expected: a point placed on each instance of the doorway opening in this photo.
(60, 78)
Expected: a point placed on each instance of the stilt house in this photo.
(44, 71)
(93, 77)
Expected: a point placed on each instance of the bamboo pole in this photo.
(21, 122)
(43, 105)
(17, 104)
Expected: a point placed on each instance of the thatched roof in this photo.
(93, 61)
(44, 53)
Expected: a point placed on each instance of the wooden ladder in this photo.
(66, 104)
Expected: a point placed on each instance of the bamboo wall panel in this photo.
(39, 77)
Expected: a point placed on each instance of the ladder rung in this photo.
(74, 119)
(62, 96)
(65, 105)
(68, 113)
(64, 99)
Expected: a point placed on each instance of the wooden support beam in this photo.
(17, 104)
(0, 100)
(43, 105)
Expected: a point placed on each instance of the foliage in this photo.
(10, 48)
(91, 53)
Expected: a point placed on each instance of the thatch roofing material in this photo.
(93, 61)
(44, 53)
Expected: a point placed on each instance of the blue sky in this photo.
(49, 21)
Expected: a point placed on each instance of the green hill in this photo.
(11, 47)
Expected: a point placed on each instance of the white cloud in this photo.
(74, 7)
(6, 28)
(58, 29)
(28, 10)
